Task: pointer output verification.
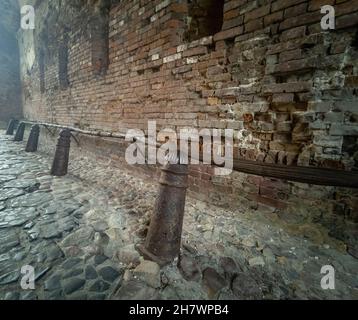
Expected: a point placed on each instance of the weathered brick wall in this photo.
(271, 71)
(10, 90)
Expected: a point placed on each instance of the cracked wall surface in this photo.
(270, 73)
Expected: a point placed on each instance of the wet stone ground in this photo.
(79, 233)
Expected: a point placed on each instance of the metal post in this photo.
(60, 162)
(164, 236)
(11, 127)
(19, 136)
(33, 141)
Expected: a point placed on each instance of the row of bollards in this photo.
(163, 241)
(60, 162)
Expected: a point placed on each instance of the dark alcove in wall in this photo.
(205, 18)
(63, 63)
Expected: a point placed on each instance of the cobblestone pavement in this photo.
(79, 232)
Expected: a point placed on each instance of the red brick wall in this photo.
(271, 71)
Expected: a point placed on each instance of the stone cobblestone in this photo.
(79, 233)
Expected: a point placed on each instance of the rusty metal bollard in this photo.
(164, 236)
(11, 127)
(33, 141)
(19, 135)
(60, 161)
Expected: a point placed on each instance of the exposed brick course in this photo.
(271, 70)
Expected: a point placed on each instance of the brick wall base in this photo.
(294, 204)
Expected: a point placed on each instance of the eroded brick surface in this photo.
(270, 71)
